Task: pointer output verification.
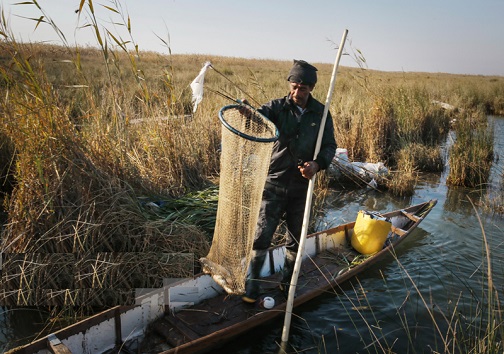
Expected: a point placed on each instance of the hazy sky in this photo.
(450, 36)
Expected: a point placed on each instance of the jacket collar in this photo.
(311, 105)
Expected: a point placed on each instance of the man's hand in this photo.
(309, 169)
(245, 108)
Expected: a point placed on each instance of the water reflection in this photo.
(19, 326)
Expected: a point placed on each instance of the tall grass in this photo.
(471, 155)
(79, 168)
(392, 121)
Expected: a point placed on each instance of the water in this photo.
(17, 325)
(439, 273)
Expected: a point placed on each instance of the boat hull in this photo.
(196, 315)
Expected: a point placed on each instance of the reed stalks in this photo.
(471, 155)
(80, 169)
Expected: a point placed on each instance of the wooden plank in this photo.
(55, 346)
(118, 327)
(181, 327)
(398, 231)
(169, 332)
(410, 216)
(78, 327)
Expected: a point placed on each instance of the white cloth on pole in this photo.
(197, 86)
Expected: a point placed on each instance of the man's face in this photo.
(300, 93)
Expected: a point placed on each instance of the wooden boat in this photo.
(196, 315)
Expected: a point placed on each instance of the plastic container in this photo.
(370, 233)
(342, 154)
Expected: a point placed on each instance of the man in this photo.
(298, 117)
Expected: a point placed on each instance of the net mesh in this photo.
(247, 141)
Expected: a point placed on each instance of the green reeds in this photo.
(471, 155)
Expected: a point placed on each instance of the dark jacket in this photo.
(297, 141)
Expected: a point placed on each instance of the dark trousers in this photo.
(278, 201)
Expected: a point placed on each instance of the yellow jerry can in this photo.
(370, 233)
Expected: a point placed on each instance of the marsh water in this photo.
(406, 304)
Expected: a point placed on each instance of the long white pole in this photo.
(309, 195)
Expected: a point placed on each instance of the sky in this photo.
(446, 36)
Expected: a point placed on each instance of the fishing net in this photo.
(247, 139)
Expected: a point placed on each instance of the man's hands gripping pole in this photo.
(309, 169)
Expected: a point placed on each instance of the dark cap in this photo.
(303, 73)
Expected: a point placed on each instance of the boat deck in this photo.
(222, 312)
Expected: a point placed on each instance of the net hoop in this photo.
(263, 120)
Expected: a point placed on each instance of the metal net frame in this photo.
(247, 141)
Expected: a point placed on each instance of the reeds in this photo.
(80, 168)
(471, 155)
